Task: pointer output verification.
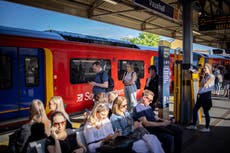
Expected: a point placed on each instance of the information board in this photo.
(214, 23)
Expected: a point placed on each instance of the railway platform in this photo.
(216, 141)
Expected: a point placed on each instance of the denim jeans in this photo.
(204, 101)
(131, 96)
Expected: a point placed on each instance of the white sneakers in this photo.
(205, 130)
(193, 127)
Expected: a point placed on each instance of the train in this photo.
(41, 64)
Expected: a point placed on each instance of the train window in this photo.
(5, 72)
(31, 71)
(138, 68)
(81, 69)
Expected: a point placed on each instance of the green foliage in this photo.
(145, 39)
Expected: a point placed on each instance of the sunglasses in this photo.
(150, 99)
(59, 123)
(123, 106)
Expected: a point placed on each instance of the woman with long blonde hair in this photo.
(56, 103)
(204, 99)
(37, 114)
(98, 128)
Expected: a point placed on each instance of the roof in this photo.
(148, 48)
(29, 33)
(93, 39)
(59, 35)
(126, 13)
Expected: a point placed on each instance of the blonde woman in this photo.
(122, 120)
(36, 115)
(100, 97)
(98, 128)
(61, 139)
(56, 104)
(130, 88)
(204, 99)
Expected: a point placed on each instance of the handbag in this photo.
(138, 133)
(120, 143)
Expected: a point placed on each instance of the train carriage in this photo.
(39, 65)
(42, 64)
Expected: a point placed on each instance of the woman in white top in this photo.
(204, 99)
(130, 88)
(98, 128)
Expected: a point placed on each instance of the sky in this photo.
(26, 17)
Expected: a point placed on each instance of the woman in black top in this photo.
(56, 103)
(152, 84)
(61, 140)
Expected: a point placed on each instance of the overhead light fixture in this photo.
(196, 32)
(111, 2)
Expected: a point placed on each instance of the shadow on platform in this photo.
(216, 141)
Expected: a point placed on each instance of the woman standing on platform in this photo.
(204, 99)
(130, 88)
(152, 84)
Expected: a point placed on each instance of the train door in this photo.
(8, 83)
(21, 80)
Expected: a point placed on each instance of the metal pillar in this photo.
(186, 101)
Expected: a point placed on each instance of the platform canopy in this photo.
(211, 18)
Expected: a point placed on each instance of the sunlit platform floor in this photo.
(216, 141)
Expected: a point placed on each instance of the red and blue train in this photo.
(39, 65)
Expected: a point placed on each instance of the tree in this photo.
(145, 39)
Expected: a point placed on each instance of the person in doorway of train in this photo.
(62, 140)
(98, 128)
(56, 103)
(152, 84)
(37, 114)
(122, 120)
(166, 132)
(204, 99)
(100, 84)
(130, 88)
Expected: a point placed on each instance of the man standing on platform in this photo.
(100, 84)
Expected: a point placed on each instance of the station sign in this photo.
(214, 23)
(164, 76)
(159, 6)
